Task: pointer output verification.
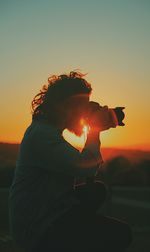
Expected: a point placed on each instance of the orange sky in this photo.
(109, 41)
(17, 116)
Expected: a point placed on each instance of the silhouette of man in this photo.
(48, 211)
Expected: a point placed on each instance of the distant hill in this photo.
(9, 152)
(131, 154)
(115, 172)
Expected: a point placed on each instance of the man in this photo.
(47, 210)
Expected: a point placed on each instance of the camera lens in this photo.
(120, 115)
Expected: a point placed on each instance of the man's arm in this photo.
(60, 156)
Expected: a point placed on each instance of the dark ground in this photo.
(136, 214)
(141, 243)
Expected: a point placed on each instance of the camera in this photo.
(114, 117)
(117, 115)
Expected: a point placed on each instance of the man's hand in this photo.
(99, 117)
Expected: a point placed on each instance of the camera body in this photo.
(109, 117)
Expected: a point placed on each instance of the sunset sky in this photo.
(108, 39)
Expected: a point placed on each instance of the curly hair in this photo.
(58, 89)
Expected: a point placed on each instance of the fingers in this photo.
(99, 116)
(105, 108)
(95, 105)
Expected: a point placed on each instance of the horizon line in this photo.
(141, 147)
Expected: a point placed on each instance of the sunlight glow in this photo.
(86, 129)
(74, 140)
(77, 142)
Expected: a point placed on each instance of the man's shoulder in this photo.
(43, 129)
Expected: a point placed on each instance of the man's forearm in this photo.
(93, 137)
(93, 145)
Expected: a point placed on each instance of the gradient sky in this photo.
(109, 40)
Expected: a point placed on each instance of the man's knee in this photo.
(119, 232)
(128, 235)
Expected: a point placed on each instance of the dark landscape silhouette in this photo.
(126, 172)
(122, 166)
